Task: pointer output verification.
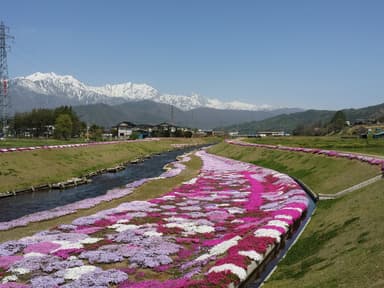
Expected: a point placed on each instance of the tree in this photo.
(63, 126)
(77, 125)
(338, 121)
(95, 132)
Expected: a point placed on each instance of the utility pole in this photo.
(4, 98)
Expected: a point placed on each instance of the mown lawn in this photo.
(343, 245)
(367, 146)
(27, 168)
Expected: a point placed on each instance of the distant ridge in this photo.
(148, 112)
(288, 122)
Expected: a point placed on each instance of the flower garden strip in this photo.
(211, 231)
(48, 147)
(330, 153)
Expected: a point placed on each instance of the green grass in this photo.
(322, 174)
(370, 146)
(147, 191)
(24, 169)
(21, 142)
(343, 246)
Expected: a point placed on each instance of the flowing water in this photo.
(26, 203)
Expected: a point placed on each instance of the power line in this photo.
(5, 100)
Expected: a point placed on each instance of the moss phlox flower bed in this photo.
(208, 232)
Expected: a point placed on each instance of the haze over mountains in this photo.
(139, 103)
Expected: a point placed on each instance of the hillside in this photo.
(288, 122)
(149, 112)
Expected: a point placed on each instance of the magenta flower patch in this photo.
(204, 233)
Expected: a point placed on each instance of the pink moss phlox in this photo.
(187, 240)
(174, 283)
(7, 261)
(257, 188)
(162, 268)
(213, 242)
(185, 253)
(233, 257)
(65, 253)
(104, 222)
(41, 247)
(219, 279)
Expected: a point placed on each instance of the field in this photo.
(367, 146)
(343, 244)
(24, 169)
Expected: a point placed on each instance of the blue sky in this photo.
(325, 54)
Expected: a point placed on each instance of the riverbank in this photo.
(21, 170)
(322, 174)
(211, 231)
(146, 191)
(343, 244)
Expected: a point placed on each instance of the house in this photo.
(144, 130)
(271, 133)
(166, 129)
(125, 129)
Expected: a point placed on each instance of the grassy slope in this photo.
(23, 169)
(370, 146)
(15, 142)
(322, 174)
(343, 244)
(147, 191)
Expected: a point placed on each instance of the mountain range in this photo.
(139, 103)
(49, 90)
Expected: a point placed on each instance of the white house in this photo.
(125, 129)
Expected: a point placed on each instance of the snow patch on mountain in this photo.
(69, 87)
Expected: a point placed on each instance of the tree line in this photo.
(61, 123)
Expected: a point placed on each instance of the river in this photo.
(26, 203)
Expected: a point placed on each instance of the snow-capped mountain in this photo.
(58, 88)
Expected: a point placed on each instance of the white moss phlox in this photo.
(263, 232)
(76, 272)
(234, 269)
(123, 227)
(220, 248)
(90, 240)
(251, 254)
(10, 278)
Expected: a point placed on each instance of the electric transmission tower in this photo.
(4, 98)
